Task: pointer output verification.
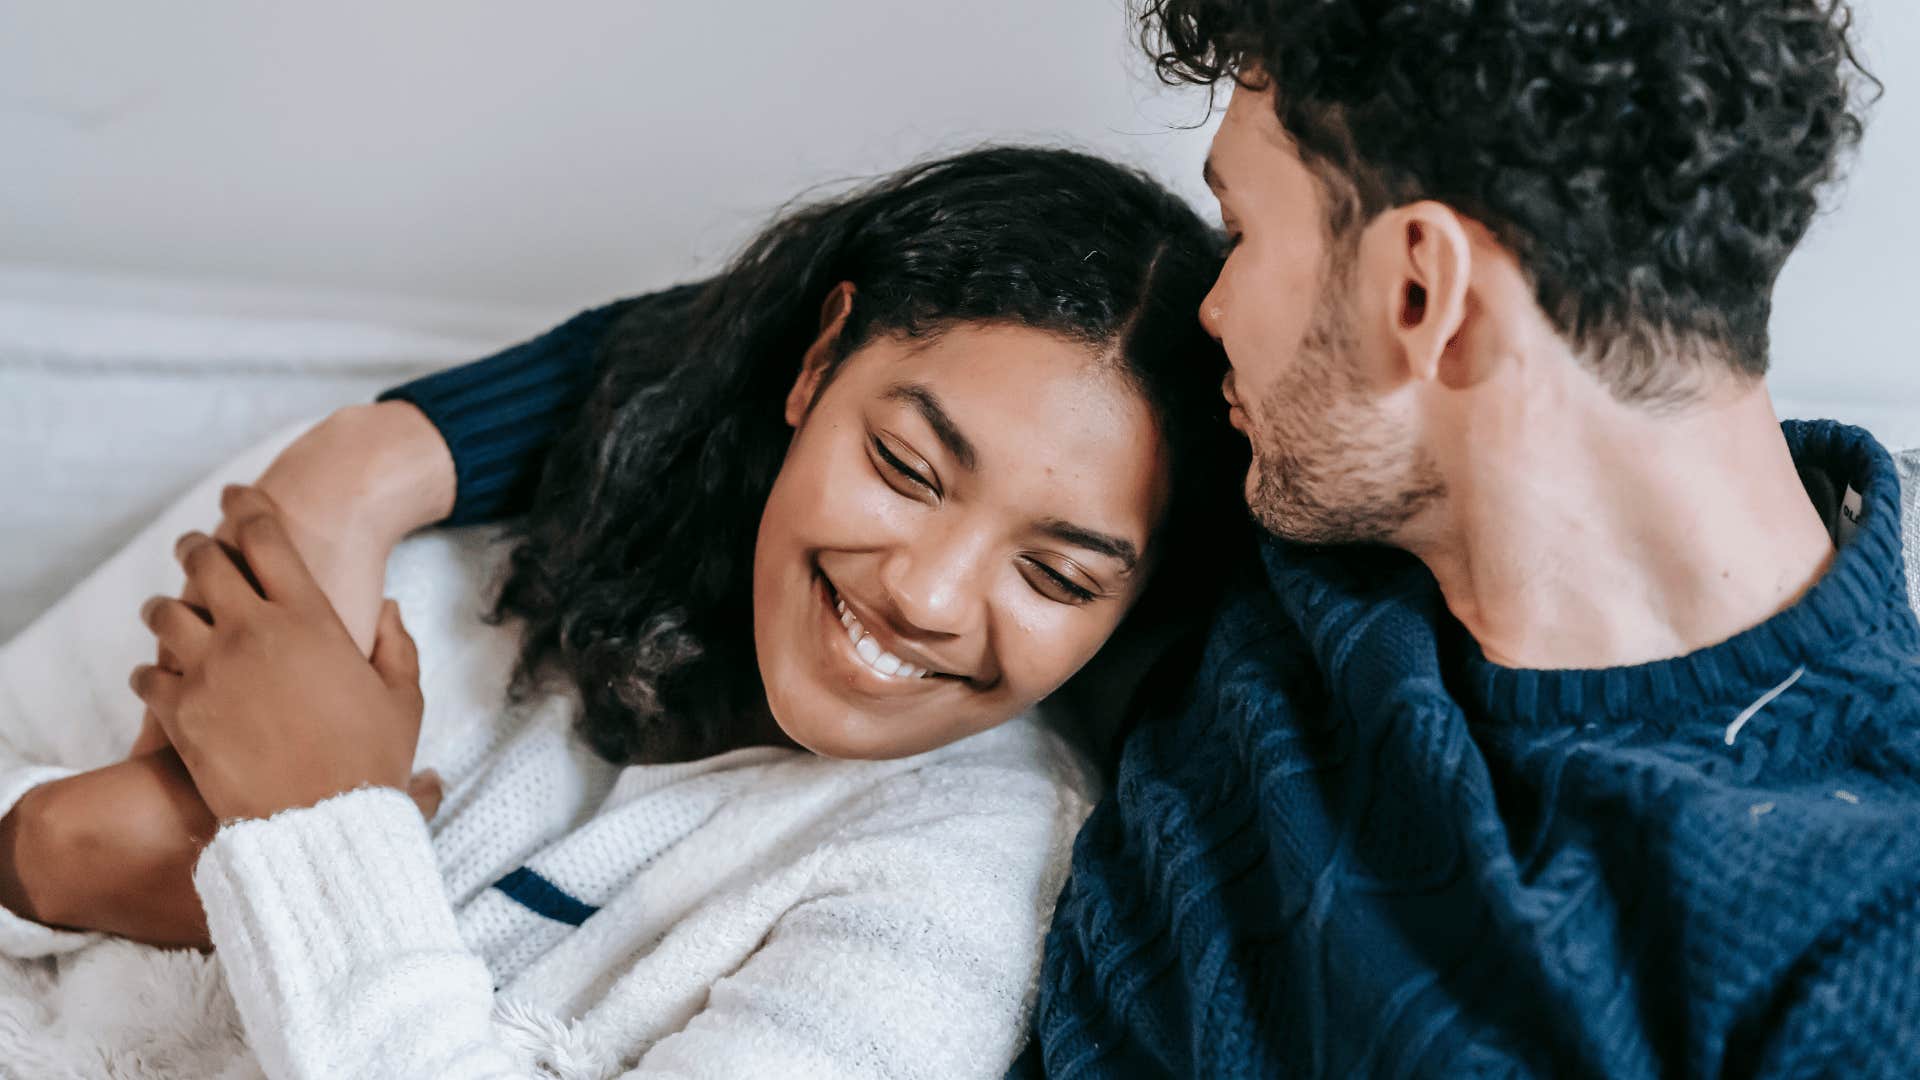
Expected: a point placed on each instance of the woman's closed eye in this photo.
(1054, 585)
(902, 477)
(906, 473)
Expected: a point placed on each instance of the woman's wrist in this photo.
(373, 473)
(352, 487)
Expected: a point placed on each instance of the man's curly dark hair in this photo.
(1652, 163)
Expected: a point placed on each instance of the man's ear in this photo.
(1432, 261)
(821, 354)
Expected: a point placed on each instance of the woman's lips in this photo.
(871, 653)
(860, 657)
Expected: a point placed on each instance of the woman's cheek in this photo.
(1046, 642)
(851, 491)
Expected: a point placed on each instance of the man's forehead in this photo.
(1248, 137)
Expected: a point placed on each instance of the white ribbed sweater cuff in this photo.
(330, 923)
(351, 878)
(22, 937)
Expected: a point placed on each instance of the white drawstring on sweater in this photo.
(1746, 714)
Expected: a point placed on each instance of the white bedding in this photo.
(116, 394)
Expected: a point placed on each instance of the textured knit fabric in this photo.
(765, 912)
(1364, 850)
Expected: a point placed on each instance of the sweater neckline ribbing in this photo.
(1863, 592)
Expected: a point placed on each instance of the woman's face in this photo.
(959, 524)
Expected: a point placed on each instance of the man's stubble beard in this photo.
(1331, 466)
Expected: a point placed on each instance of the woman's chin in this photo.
(837, 739)
(854, 735)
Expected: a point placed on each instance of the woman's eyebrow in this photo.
(944, 429)
(1080, 536)
(923, 399)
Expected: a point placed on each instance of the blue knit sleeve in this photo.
(500, 414)
(1850, 1006)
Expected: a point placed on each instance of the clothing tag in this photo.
(1849, 522)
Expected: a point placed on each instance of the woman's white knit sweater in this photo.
(762, 913)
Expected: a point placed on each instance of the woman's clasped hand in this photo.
(256, 734)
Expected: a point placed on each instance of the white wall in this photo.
(544, 156)
(1844, 312)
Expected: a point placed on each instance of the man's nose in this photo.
(1213, 311)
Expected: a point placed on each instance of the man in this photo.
(1618, 774)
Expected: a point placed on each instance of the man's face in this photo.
(1335, 458)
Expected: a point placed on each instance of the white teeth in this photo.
(870, 651)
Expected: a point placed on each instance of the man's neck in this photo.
(1615, 536)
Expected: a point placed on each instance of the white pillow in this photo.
(115, 395)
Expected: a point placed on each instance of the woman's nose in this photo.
(937, 583)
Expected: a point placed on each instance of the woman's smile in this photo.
(953, 532)
(868, 659)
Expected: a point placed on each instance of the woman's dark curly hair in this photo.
(1651, 162)
(633, 571)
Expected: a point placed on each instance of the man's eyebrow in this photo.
(1079, 536)
(944, 429)
(1212, 176)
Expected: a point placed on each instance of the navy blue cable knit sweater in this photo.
(1365, 850)
(1361, 849)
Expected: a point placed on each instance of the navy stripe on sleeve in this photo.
(543, 897)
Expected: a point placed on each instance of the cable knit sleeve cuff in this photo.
(313, 897)
(501, 414)
(21, 937)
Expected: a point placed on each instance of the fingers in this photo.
(184, 633)
(426, 791)
(152, 737)
(214, 575)
(269, 552)
(394, 655)
(160, 690)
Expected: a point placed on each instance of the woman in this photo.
(763, 797)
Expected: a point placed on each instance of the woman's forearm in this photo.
(109, 850)
(353, 487)
(349, 489)
(22, 888)
(382, 469)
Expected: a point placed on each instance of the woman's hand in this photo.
(348, 490)
(268, 700)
